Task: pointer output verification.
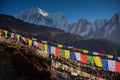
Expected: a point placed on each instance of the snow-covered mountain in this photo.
(100, 29)
(41, 17)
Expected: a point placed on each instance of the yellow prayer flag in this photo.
(6, 32)
(34, 39)
(18, 37)
(85, 51)
(30, 42)
(67, 54)
(97, 60)
(46, 47)
(63, 67)
(84, 74)
(110, 56)
(60, 45)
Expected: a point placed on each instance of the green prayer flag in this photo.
(62, 51)
(90, 59)
(80, 50)
(3, 31)
(43, 47)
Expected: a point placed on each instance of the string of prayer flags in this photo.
(111, 65)
(98, 61)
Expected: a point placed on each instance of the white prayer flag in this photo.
(77, 55)
(111, 65)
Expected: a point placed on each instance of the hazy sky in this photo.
(72, 9)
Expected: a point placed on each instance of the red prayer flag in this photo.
(75, 49)
(117, 66)
(83, 58)
(0, 31)
(58, 52)
(39, 45)
(100, 54)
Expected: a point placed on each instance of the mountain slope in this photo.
(56, 35)
(20, 62)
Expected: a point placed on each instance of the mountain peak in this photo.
(37, 9)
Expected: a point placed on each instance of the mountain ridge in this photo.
(82, 27)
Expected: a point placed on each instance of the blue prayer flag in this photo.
(72, 55)
(105, 64)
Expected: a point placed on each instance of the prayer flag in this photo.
(85, 51)
(60, 45)
(91, 60)
(39, 45)
(46, 47)
(30, 42)
(18, 37)
(77, 56)
(62, 51)
(95, 53)
(53, 50)
(117, 64)
(0, 31)
(75, 49)
(67, 54)
(58, 52)
(105, 64)
(43, 46)
(111, 65)
(110, 56)
(6, 32)
(72, 55)
(83, 58)
(98, 61)
(80, 50)
(49, 49)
